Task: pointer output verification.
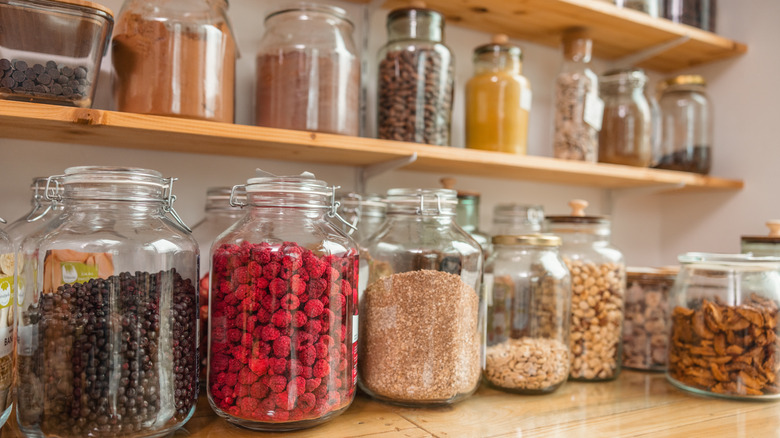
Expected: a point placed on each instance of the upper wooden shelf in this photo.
(30, 121)
(617, 32)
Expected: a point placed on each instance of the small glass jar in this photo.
(516, 219)
(498, 99)
(598, 276)
(724, 326)
(7, 324)
(110, 318)
(528, 291)
(763, 246)
(42, 212)
(364, 212)
(627, 127)
(646, 324)
(686, 126)
(697, 13)
(308, 71)
(421, 325)
(416, 79)
(283, 322)
(649, 7)
(175, 58)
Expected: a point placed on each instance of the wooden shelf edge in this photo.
(28, 121)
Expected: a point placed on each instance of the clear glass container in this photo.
(7, 324)
(364, 212)
(686, 126)
(416, 79)
(598, 276)
(627, 127)
(528, 291)
(697, 13)
(649, 7)
(50, 51)
(516, 219)
(763, 246)
(42, 212)
(108, 323)
(724, 326)
(283, 323)
(498, 99)
(175, 58)
(646, 324)
(467, 215)
(421, 326)
(308, 71)
(578, 107)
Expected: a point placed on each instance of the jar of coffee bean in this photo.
(598, 278)
(415, 78)
(107, 344)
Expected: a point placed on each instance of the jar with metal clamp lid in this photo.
(42, 212)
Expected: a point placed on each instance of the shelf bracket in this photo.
(365, 172)
(644, 55)
(613, 195)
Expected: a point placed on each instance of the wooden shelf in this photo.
(617, 32)
(30, 121)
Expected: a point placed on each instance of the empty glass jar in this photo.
(626, 129)
(515, 219)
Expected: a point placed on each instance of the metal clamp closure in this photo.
(422, 210)
(53, 194)
(334, 210)
(37, 200)
(232, 201)
(170, 198)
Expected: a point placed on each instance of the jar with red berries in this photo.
(282, 328)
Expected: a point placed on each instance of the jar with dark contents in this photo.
(283, 314)
(696, 13)
(111, 317)
(7, 323)
(416, 78)
(627, 126)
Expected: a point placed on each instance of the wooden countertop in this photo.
(636, 405)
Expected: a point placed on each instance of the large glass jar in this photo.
(498, 99)
(515, 219)
(416, 79)
(761, 246)
(627, 127)
(467, 215)
(724, 326)
(364, 212)
(421, 325)
(598, 277)
(283, 323)
(7, 324)
(686, 125)
(220, 215)
(175, 58)
(308, 71)
(528, 291)
(578, 107)
(697, 13)
(42, 212)
(110, 318)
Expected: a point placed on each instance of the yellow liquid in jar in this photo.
(495, 117)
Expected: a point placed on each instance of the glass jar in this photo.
(283, 323)
(627, 126)
(649, 7)
(578, 107)
(686, 114)
(416, 79)
(42, 212)
(598, 277)
(724, 326)
(467, 215)
(528, 291)
(421, 325)
(516, 219)
(7, 324)
(646, 323)
(175, 58)
(220, 215)
(762, 246)
(308, 71)
(110, 319)
(697, 13)
(364, 212)
(498, 99)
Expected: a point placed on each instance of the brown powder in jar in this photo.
(177, 71)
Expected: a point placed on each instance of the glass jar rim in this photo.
(416, 200)
(530, 212)
(287, 184)
(537, 239)
(415, 13)
(334, 11)
(731, 261)
(369, 205)
(113, 175)
(499, 49)
(635, 77)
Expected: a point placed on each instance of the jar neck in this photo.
(286, 214)
(496, 63)
(578, 50)
(115, 208)
(417, 25)
(467, 214)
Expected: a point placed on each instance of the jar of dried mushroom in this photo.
(416, 78)
(283, 322)
(308, 71)
(513, 219)
(766, 245)
(528, 292)
(646, 318)
(627, 127)
(109, 323)
(598, 277)
(7, 333)
(420, 326)
(724, 326)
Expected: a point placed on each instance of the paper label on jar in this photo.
(525, 99)
(6, 292)
(64, 266)
(354, 348)
(593, 113)
(26, 339)
(487, 287)
(6, 341)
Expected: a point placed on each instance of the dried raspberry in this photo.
(270, 303)
(242, 291)
(234, 410)
(286, 273)
(292, 248)
(334, 398)
(346, 288)
(219, 362)
(241, 390)
(271, 270)
(241, 353)
(282, 347)
(269, 333)
(332, 275)
(306, 372)
(296, 414)
(280, 415)
(235, 365)
(306, 402)
(260, 284)
(343, 350)
(321, 350)
(258, 390)
(224, 287)
(297, 285)
(285, 401)
(299, 319)
(246, 322)
(260, 255)
(216, 391)
(342, 333)
(248, 405)
(277, 383)
(230, 311)
(220, 261)
(292, 262)
(313, 326)
(287, 331)
(281, 318)
(260, 349)
(231, 300)
(241, 276)
(321, 391)
(268, 404)
(302, 339)
(295, 367)
(290, 302)
(314, 266)
(247, 377)
(321, 368)
(219, 347)
(218, 332)
(308, 355)
(317, 287)
(254, 269)
(337, 303)
(249, 305)
(303, 275)
(263, 316)
(277, 287)
(231, 379)
(247, 340)
(278, 365)
(327, 340)
(296, 386)
(313, 308)
(258, 365)
(328, 319)
(312, 383)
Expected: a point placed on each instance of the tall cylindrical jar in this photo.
(175, 58)
(421, 324)
(111, 318)
(598, 277)
(697, 13)
(416, 79)
(515, 219)
(283, 322)
(498, 99)
(42, 212)
(528, 291)
(308, 71)
(627, 127)
(767, 245)
(8, 280)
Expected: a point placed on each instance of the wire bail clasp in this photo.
(421, 209)
(170, 198)
(233, 200)
(53, 194)
(334, 207)
(37, 196)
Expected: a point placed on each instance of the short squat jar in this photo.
(724, 326)
(528, 291)
(598, 277)
(282, 328)
(421, 325)
(111, 318)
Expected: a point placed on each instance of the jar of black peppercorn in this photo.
(111, 317)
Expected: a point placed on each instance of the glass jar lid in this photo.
(772, 237)
(651, 274)
(436, 202)
(728, 262)
(686, 80)
(415, 21)
(578, 216)
(633, 77)
(518, 213)
(499, 45)
(305, 7)
(545, 240)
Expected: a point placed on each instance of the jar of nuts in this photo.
(598, 277)
(528, 292)
(724, 335)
